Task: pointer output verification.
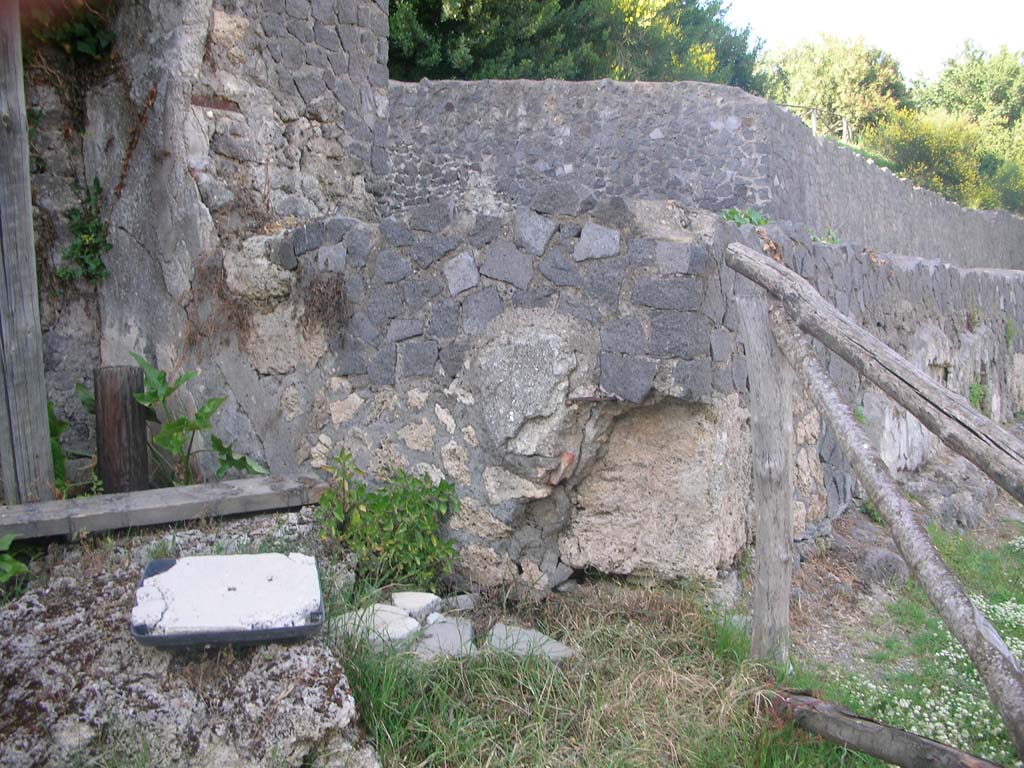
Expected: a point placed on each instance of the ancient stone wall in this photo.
(699, 144)
(528, 303)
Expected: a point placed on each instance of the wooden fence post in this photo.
(26, 464)
(122, 452)
(771, 416)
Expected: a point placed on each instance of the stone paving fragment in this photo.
(521, 642)
(416, 604)
(380, 623)
(450, 637)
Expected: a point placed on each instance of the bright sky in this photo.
(922, 34)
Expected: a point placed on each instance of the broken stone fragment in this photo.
(450, 637)
(416, 604)
(596, 242)
(380, 624)
(521, 642)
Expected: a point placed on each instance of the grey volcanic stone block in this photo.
(416, 604)
(486, 229)
(624, 335)
(444, 319)
(420, 291)
(526, 642)
(282, 253)
(693, 379)
(678, 334)
(432, 217)
(628, 377)
(508, 264)
(336, 227)
(405, 328)
(364, 328)
(359, 242)
(560, 269)
(307, 238)
(461, 273)
(384, 303)
(430, 249)
(352, 356)
(604, 279)
(332, 258)
(596, 242)
(533, 231)
(559, 197)
(585, 312)
(480, 308)
(381, 368)
(672, 257)
(417, 358)
(392, 266)
(396, 233)
(682, 293)
(721, 345)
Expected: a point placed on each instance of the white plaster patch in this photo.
(229, 593)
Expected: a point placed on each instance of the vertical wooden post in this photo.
(26, 464)
(122, 456)
(771, 414)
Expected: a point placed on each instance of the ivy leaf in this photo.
(230, 460)
(205, 413)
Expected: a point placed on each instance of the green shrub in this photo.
(9, 566)
(746, 216)
(85, 33)
(395, 531)
(1010, 332)
(868, 509)
(84, 257)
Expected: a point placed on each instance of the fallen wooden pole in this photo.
(896, 746)
(994, 450)
(998, 669)
(771, 416)
(92, 514)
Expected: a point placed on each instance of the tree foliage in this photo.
(839, 79)
(569, 40)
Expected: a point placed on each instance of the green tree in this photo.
(838, 79)
(938, 151)
(569, 39)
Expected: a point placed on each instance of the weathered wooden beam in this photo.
(122, 451)
(26, 464)
(893, 745)
(997, 667)
(994, 450)
(771, 415)
(92, 514)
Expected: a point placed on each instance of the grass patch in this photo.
(926, 682)
(658, 681)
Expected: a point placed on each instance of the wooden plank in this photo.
(994, 450)
(771, 415)
(996, 666)
(92, 514)
(122, 451)
(893, 745)
(26, 464)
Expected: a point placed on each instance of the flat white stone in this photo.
(229, 593)
(521, 641)
(449, 637)
(416, 604)
(380, 623)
